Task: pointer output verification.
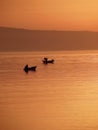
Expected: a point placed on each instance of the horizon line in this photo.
(47, 29)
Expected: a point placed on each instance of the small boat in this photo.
(33, 68)
(46, 61)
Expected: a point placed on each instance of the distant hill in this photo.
(12, 39)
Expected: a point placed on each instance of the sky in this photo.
(50, 14)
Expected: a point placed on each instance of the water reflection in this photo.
(57, 97)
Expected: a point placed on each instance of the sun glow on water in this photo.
(59, 96)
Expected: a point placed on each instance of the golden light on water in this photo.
(53, 97)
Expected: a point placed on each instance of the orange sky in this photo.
(50, 14)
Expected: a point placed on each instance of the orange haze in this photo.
(50, 14)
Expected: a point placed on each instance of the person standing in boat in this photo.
(26, 67)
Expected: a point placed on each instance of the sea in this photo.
(59, 96)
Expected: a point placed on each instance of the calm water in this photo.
(60, 96)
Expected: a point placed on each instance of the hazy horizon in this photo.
(18, 39)
(28, 29)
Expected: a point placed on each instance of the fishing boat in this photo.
(33, 68)
(46, 61)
